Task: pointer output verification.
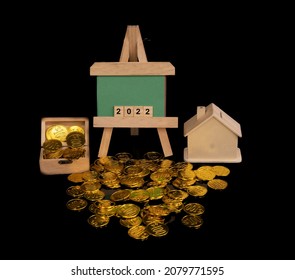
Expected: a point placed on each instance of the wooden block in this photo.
(62, 165)
(128, 111)
(132, 69)
(138, 111)
(118, 111)
(148, 111)
(129, 122)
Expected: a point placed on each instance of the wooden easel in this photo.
(133, 51)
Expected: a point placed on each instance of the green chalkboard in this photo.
(131, 91)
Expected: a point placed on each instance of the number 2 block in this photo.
(148, 111)
(138, 111)
(118, 111)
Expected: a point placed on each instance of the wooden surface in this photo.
(132, 69)
(138, 122)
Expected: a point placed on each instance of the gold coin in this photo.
(123, 157)
(73, 153)
(108, 176)
(217, 184)
(94, 195)
(109, 211)
(136, 221)
(220, 170)
(166, 163)
(105, 159)
(52, 145)
(186, 174)
(133, 170)
(161, 176)
(149, 218)
(144, 172)
(132, 182)
(153, 156)
(194, 208)
(105, 203)
(120, 195)
(114, 166)
(50, 155)
(138, 232)
(76, 204)
(57, 131)
(90, 186)
(77, 128)
(156, 192)
(197, 190)
(156, 184)
(178, 194)
(171, 201)
(103, 207)
(98, 221)
(113, 184)
(75, 191)
(183, 165)
(177, 183)
(158, 210)
(97, 167)
(205, 173)
(150, 165)
(75, 139)
(76, 177)
(157, 229)
(192, 221)
(91, 175)
(139, 195)
(174, 207)
(128, 210)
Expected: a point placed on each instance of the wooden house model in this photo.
(212, 136)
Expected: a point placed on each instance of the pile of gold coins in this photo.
(72, 136)
(143, 193)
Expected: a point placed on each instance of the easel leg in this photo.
(105, 141)
(165, 142)
(134, 131)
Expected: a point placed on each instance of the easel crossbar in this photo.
(138, 122)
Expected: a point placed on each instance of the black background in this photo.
(221, 56)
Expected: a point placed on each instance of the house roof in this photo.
(212, 111)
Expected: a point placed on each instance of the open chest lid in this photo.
(61, 126)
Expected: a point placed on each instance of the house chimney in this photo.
(201, 110)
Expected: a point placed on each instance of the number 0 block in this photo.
(128, 111)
